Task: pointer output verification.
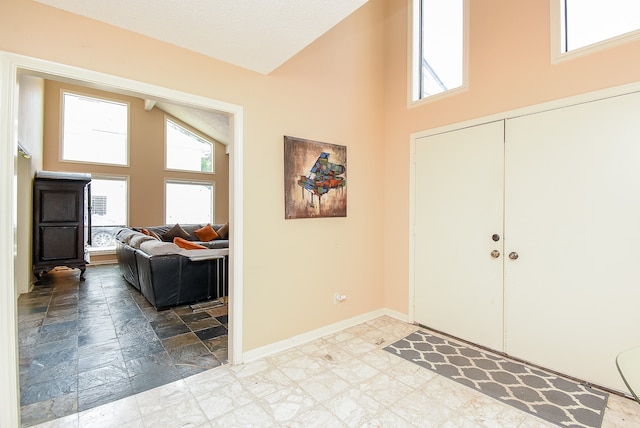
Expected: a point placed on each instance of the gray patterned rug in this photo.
(555, 399)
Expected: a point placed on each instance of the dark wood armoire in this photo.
(59, 221)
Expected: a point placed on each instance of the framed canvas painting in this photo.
(315, 179)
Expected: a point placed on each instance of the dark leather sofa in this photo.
(170, 276)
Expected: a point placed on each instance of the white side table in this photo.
(628, 363)
(217, 254)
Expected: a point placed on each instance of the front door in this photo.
(572, 214)
(459, 186)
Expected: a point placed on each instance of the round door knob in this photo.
(495, 254)
(513, 255)
(495, 237)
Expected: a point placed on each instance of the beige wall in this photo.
(146, 169)
(350, 88)
(31, 111)
(329, 92)
(509, 67)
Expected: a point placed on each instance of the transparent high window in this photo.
(94, 130)
(440, 42)
(587, 22)
(187, 151)
(189, 202)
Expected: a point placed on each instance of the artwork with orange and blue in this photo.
(318, 170)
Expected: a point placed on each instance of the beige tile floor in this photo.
(342, 380)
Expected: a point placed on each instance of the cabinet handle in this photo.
(495, 254)
(495, 237)
(513, 255)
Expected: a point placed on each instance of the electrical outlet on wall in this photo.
(337, 298)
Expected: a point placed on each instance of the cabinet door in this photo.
(60, 206)
(572, 213)
(458, 209)
(59, 243)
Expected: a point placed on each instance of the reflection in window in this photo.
(440, 38)
(108, 210)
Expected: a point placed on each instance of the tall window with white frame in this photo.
(588, 22)
(189, 202)
(94, 130)
(109, 198)
(439, 47)
(187, 151)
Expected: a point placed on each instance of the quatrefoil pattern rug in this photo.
(555, 399)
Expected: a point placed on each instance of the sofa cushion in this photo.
(159, 248)
(223, 232)
(216, 243)
(123, 232)
(187, 245)
(138, 239)
(127, 237)
(175, 231)
(206, 233)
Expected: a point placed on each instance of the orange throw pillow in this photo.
(206, 233)
(187, 245)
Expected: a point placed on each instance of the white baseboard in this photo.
(283, 345)
(397, 315)
(102, 262)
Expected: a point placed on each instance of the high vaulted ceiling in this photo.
(258, 35)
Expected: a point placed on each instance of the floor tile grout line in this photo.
(520, 423)
(109, 304)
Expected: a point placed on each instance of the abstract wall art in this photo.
(315, 179)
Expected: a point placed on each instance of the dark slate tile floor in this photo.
(83, 344)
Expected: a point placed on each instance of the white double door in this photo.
(559, 192)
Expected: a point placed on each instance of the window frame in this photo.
(557, 55)
(200, 135)
(212, 184)
(415, 56)
(61, 158)
(111, 250)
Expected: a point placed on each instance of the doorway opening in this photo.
(15, 66)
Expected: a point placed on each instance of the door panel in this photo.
(572, 213)
(458, 207)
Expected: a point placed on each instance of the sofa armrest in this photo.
(174, 279)
(127, 263)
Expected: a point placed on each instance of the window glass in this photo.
(187, 151)
(94, 130)
(108, 210)
(441, 41)
(189, 202)
(585, 22)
